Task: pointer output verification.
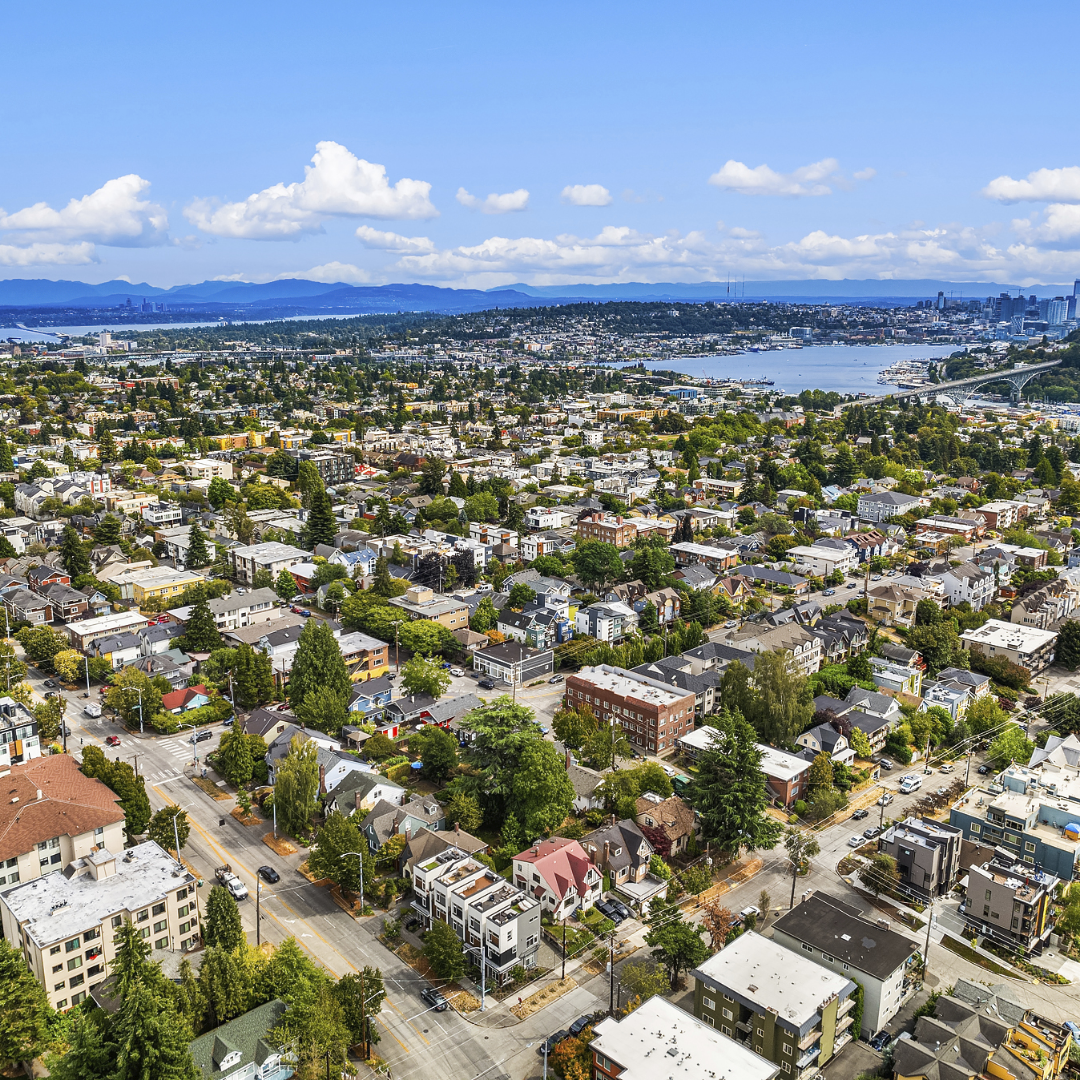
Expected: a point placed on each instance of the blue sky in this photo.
(481, 144)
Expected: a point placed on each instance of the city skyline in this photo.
(486, 147)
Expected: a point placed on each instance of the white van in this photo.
(909, 784)
(92, 709)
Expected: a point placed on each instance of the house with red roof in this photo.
(186, 699)
(560, 874)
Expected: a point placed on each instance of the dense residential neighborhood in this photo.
(439, 680)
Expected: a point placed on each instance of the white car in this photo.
(457, 672)
(856, 841)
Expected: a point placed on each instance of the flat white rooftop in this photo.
(659, 1040)
(108, 624)
(758, 970)
(56, 907)
(1013, 636)
(629, 685)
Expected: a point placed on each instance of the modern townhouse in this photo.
(19, 738)
(803, 649)
(498, 923)
(780, 1004)
(1011, 903)
(606, 622)
(1046, 607)
(65, 924)
(420, 602)
(927, 854)
(837, 936)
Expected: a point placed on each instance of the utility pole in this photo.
(258, 913)
(967, 773)
(611, 970)
(136, 756)
(563, 976)
(87, 659)
(363, 1017)
(926, 951)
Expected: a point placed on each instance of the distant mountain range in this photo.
(60, 302)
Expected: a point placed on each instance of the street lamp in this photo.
(176, 832)
(138, 690)
(360, 856)
(194, 742)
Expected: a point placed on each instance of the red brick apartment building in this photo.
(607, 527)
(652, 714)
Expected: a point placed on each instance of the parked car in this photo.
(268, 873)
(943, 792)
(853, 585)
(555, 679)
(859, 815)
(486, 684)
(435, 998)
(886, 764)
(731, 624)
(984, 769)
(947, 767)
(608, 912)
(446, 665)
(228, 721)
(457, 672)
(886, 798)
(855, 841)
(296, 610)
(871, 832)
(620, 907)
(580, 1024)
(112, 740)
(747, 912)
(552, 1041)
(880, 1040)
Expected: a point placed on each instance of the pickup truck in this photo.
(236, 887)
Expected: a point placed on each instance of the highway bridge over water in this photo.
(958, 389)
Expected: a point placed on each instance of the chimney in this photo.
(322, 779)
(607, 852)
(618, 520)
(357, 799)
(569, 761)
(457, 827)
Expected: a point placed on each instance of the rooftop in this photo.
(660, 1040)
(55, 907)
(771, 977)
(1004, 635)
(628, 684)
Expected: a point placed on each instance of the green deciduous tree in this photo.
(574, 726)
(253, 677)
(422, 676)
(120, 778)
(296, 786)
(801, 847)
(484, 617)
(438, 752)
(730, 792)
(339, 836)
(541, 795)
(677, 944)
(1011, 745)
(360, 997)
(880, 875)
(221, 923)
(318, 663)
(285, 585)
(782, 702)
(464, 810)
(220, 492)
(444, 952)
(596, 563)
(325, 709)
(160, 829)
(520, 595)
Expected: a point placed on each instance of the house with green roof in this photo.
(242, 1049)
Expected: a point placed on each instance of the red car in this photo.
(112, 740)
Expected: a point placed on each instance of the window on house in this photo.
(708, 1003)
(727, 1014)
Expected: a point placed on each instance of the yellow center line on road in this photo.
(225, 858)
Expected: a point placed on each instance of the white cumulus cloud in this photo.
(761, 180)
(1042, 185)
(336, 184)
(331, 272)
(586, 195)
(47, 254)
(114, 215)
(392, 241)
(865, 174)
(1059, 226)
(494, 203)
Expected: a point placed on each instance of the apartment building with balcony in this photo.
(927, 854)
(610, 528)
(271, 556)
(65, 924)
(658, 1037)
(1011, 903)
(835, 935)
(780, 1004)
(497, 922)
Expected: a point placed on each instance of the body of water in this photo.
(847, 369)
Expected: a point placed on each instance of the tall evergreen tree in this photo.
(221, 925)
(318, 663)
(383, 584)
(201, 633)
(90, 1051)
(7, 464)
(321, 526)
(457, 490)
(152, 1042)
(197, 554)
(107, 451)
(24, 1010)
(73, 554)
(108, 530)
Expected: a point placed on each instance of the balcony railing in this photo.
(808, 1056)
(844, 1023)
(809, 1038)
(846, 1005)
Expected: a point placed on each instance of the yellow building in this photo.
(158, 587)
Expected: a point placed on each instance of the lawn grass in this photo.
(969, 954)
